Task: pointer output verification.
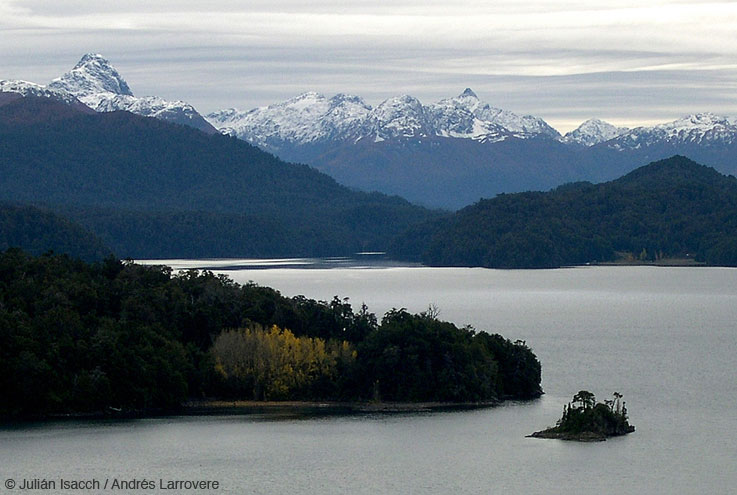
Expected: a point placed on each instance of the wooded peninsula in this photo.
(115, 336)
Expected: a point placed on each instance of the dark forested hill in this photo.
(133, 180)
(37, 231)
(669, 208)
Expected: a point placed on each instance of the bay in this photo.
(666, 338)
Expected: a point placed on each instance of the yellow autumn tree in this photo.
(275, 364)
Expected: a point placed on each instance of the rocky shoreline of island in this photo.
(586, 420)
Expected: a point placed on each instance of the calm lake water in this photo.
(666, 338)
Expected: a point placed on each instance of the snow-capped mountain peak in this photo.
(92, 75)
(696, 122)
(399, 116)
(312, 118)
(466, 116)
(468, 92)
(520, 125)
(593, 131)
(308, 101)
(455, 117)
(287, 120)
(307, 118)
(97, 84)
(702, 129)
(346, 118)
(346, 99)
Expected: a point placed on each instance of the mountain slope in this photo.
(447, 172)
(23, 111)
(670, 208)
(116, 171)
(37, 231)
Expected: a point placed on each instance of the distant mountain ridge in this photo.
(19, 111)
(451, 153)
(96, 83)
(38, 231)
(312, 118)
(446, 154)
(673, 208)
(700, 129)
(151, 189)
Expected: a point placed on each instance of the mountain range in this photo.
(442, 155)
(453, 152)
(312, 118)
(148, 188)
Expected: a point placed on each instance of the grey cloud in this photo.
(618, 70)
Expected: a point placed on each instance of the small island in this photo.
(585, 420)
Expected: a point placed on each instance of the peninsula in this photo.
(114, 337)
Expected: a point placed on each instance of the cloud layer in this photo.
(564, 61)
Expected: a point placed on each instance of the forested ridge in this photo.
(672, 208)
(148, 188)
(37, 231)
(109, 336)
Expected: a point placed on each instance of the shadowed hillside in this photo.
(135, 180)
(673, 208)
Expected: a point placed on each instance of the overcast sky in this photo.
(628, 62)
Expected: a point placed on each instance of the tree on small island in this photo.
(585, 420)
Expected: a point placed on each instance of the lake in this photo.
(666, 338)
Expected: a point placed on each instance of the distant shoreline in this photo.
(258, 264)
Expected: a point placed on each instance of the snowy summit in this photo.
(96, 83)
(593, 131)
(313, 118)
